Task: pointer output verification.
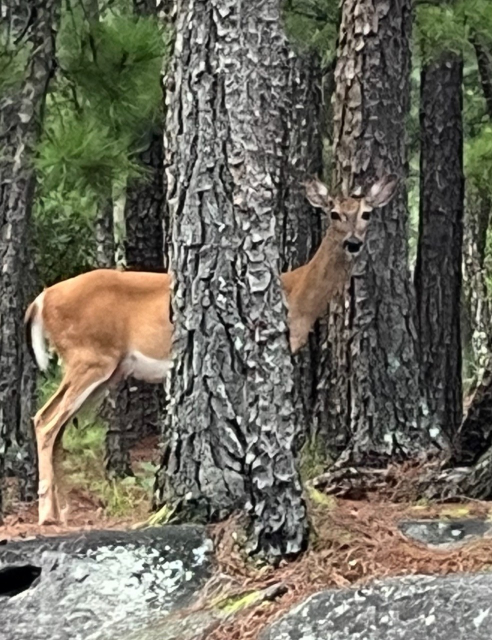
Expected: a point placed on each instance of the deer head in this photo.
(350, 216)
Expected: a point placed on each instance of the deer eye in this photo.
(335, 215)
(366, 215)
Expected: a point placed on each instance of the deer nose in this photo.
(352, 244)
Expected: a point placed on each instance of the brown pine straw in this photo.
(353, 542)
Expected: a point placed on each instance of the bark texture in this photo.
(300, 227)
(375, 390)
(484, 61)
(20, 117)
(104, 229)
(439, 256)
(475, 314)
(231, 415)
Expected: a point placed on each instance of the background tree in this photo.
(376, 385)
(138, 405)
(438, 270)
(21, 109)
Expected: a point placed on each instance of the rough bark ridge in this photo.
(137, 405)
(300, 227)
(104, 229)
(231, 415)
(376, 387)
(20, 117)
(475, 316)
(484, 61)
(439, 256)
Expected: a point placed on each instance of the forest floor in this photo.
(351, 542)
(95, 503)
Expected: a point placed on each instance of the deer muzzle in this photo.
(353, 245)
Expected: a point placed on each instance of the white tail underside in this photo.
(38, 337)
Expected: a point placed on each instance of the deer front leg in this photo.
(299, 328)
(48, 504)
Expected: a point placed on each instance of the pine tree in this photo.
(438, 270)
(21, 110)
(231, 416)
(375, 378)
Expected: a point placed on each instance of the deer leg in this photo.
(81, 384)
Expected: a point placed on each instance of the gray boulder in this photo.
(101, 584)
(455, 607)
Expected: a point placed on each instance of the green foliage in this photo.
(105, 99)
(448, 26)
(313, 25)
(84, 463)
(479, 160)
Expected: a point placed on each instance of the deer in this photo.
(106, 325)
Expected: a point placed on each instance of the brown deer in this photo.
(107, 325)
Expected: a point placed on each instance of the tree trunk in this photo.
(20, 116)
(375, 390)
(438, 268)
(301, 227)
(104, 229)
(138, 406)
(484, 61)
(231, 416)
(22, 455)
(475, 316)
(475, 438)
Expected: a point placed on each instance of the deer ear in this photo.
(317, 194)
(382, 191)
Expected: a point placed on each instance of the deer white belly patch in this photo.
(144, 368)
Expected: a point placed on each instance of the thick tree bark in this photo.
(374, 400)
(20, 117)
(231, 416)
(439, 257)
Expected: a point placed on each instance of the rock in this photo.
(99, 584)
(454, 607)
(446, 534)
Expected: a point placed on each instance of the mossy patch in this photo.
(313, 460)
(455, 512)
(321, 499)
(231, 605)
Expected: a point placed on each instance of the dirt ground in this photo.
(87, 510)
(351, 543)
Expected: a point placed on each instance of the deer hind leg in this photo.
(79, 384)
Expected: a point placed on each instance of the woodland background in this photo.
(108, 135)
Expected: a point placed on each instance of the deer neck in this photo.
(312, 287)
(327, 273)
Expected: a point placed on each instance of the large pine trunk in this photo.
(20, 118)
(374, 381)
(439, 256)
(231, 416)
